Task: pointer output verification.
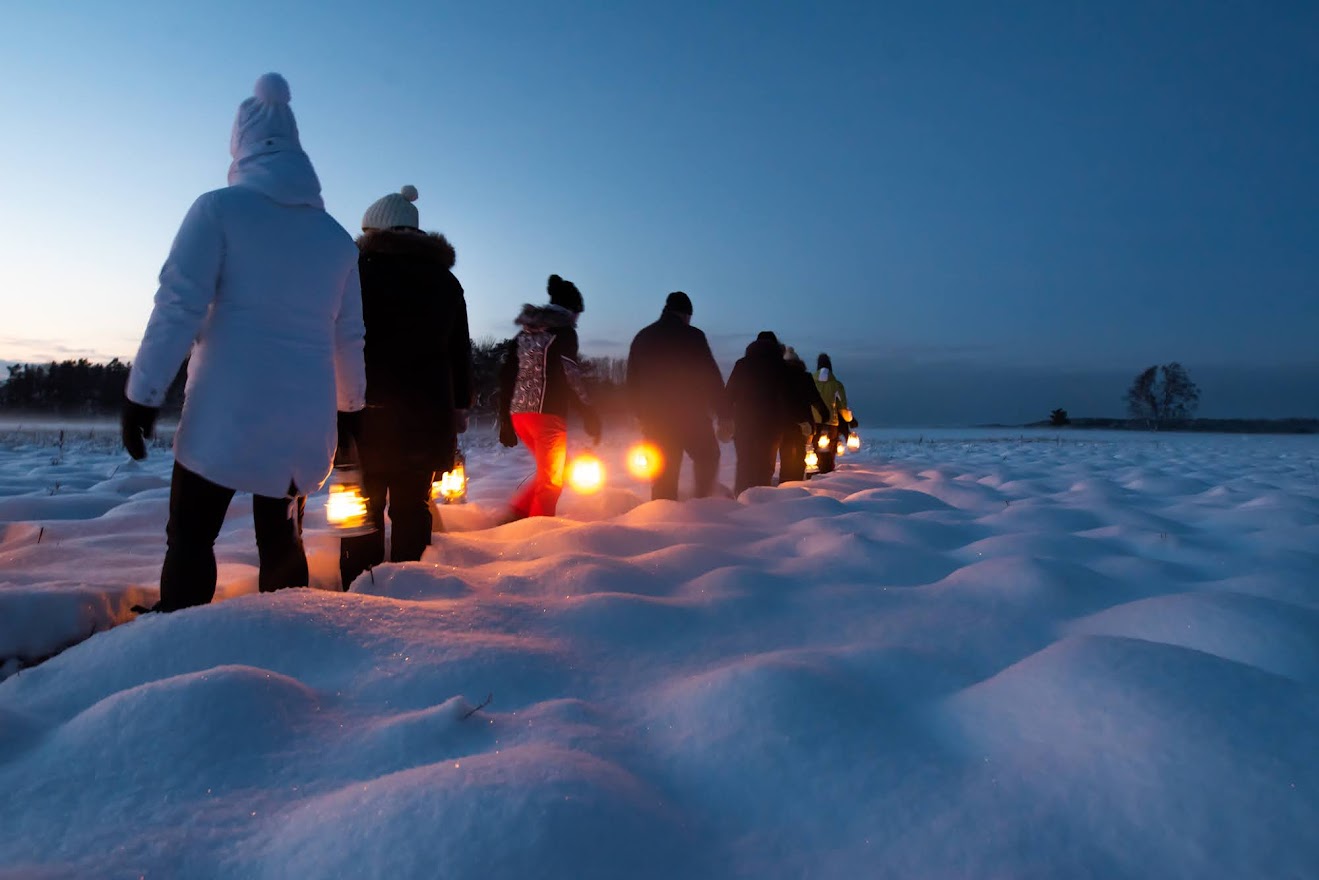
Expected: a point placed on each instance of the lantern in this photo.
(586, 474)
(840, 449)
(644, 462)
(812, 461)
(823, 442)
(345, 509)
(854, 441)
(451, 487)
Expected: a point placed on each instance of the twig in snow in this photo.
(41, 534)
(470, 712)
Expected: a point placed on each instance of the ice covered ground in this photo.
(973, 655)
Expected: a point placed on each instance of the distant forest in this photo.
(82, 388)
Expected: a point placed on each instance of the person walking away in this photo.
(675, 389)
(834, 395)
(756, 396)
(418, 379)
(806, 412)
(261, 285)
(540, 382)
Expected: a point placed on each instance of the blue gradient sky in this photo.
(981, 210)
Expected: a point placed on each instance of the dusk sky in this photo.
(981, 210)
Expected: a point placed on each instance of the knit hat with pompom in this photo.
(565, 293)
(394, 210)
(265, 122)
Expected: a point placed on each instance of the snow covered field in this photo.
(966, 654)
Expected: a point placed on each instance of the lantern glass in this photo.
(586, 474)
(840, 449)
(823, 442)
(644, 462)
(812, 462)
(451, 487)
(345, 508)
(854, 441)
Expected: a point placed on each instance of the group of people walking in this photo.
(771, 406)
(287, 321)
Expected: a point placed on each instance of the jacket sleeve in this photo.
(842, 396)
(563, 358)
(188, 284)
(712, 379)
(733, 389)
(635, 367)
(508, 377)
(460, 353)
(349, 345)
(817, 402)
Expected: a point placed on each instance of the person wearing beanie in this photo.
(806, 411)
(834, 395)
(261, 287)
(539, 383)
(676, 389)
(418, 380)
(757, 398)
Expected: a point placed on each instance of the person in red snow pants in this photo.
(546, 437)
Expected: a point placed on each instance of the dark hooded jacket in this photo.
(804, 401)
(756, 395)
(541, 373)
(418, 350)
(672, 378)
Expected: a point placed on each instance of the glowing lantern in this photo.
(812, 462)
(644, 462)
(840, 449)
(823, 442)
(854, 441)
(345, 509)
(451, 487)
(586, 474)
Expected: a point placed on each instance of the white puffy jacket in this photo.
(261, 284)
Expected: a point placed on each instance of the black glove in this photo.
(854, 424)
(350, 430)
(507, 436)
(591, 422)
(139, 425)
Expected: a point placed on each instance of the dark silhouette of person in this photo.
(756, 396)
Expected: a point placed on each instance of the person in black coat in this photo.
(675, 388)
(418, 380)
(756, 396)
(806, 411)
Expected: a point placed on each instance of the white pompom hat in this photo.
(395, 209)
(265, 122)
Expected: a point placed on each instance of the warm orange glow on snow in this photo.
(586, 474)
(644, 461)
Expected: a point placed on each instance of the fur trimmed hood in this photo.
(395, 241)
(550, 317)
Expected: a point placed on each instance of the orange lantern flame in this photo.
(854, 441)
(812, 462)
(345, 509)
(586, 474)
(823, 442)
(840, 449)
(451, 487)
(644, 461)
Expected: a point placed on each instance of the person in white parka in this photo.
(261, 286)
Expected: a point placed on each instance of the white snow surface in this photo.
(965, 654)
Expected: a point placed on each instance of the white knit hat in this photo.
(264, 123)
(395, 209)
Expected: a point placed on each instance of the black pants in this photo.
(827, 455)
(196, 512)
(407, 492)
(792, 455)
(755, 460)
(699, 442)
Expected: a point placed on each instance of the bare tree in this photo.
(1161, 395)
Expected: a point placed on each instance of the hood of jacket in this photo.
(427, 245)
(764, 348)
(548, 317)
(285, 176)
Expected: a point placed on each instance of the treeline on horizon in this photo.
(83, 388)
(1211, 426)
